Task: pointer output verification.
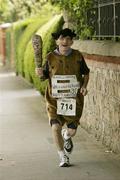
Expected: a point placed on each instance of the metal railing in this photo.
(105, 18)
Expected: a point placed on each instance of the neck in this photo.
(64, 51)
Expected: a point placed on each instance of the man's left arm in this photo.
(83, 89)
(85, 72)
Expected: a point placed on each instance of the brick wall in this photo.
(101, 115)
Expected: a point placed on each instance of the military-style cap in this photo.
(64, 32)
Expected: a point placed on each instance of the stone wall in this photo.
(101, 115)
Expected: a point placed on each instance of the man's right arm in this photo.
(39, 71)
(43, 72)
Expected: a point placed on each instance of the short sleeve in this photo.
(83, 67)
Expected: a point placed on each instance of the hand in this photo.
(39, 71)
(83, 91)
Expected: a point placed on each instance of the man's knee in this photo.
(72, 129)
(71, 132)
(54, 121)
(56, 127)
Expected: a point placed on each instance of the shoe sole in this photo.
(65, 165)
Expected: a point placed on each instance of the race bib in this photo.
(66, 107)
(64, 86)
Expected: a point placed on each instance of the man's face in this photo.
(64, 43)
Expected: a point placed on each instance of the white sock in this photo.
(66, 136)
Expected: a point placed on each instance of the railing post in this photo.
(114, 13)
(99, 20)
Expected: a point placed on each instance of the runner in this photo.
(68, 76)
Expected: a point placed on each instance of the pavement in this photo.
(27, 151)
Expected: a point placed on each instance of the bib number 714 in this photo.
(66, 107)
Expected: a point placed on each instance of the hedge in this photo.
(48, 45)
(16, 29)
(21, 32)
(25, 37)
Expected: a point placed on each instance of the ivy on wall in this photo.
(77, 12)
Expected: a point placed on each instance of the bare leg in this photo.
(71, 132)
(57, 137)
(58, 140)
(68, 144)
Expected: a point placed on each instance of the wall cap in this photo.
(104, 48)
